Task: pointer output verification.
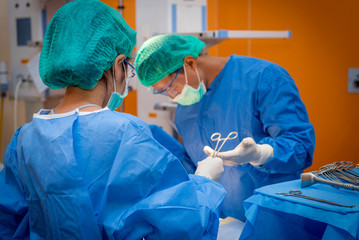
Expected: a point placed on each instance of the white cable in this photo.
(249, 26)
(17, 88)
(121, 7)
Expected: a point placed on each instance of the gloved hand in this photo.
(246, 152)
(211, 168)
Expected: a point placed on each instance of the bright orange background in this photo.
(325, 43)
(129, 14)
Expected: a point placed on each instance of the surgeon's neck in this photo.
(210, 67)
(76, 97)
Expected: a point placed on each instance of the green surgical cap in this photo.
(163, 54)
(81, 42)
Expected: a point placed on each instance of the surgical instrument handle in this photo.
(217, 137)
(309, 179)
(299, 194)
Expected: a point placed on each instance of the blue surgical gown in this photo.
(100, 175)
(257, 99)
(173, 146)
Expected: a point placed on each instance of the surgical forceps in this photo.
(217, 137)
(296, 193)
(338, 172)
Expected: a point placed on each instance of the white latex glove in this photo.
(246, 152)
(211, 168)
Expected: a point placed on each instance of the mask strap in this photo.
(185, 73)
(113, 76)
(199, 80)
(124, 69)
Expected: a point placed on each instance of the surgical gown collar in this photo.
(44, 113)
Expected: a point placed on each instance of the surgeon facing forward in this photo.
(255, 98)
(82, 171)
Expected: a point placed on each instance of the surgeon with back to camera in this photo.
(83, 171)
(251, 98)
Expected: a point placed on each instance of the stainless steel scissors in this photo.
(296, 193)
(217, 137)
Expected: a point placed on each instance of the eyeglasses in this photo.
(164, 91)
(130, 70)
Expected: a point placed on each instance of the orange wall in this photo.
(324, 45)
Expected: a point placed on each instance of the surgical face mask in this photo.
(189, 95)
(116, 98)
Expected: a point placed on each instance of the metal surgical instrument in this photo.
(296, 193)
(337, 174)
(309, 179)
(217, 137)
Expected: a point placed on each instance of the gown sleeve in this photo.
(149, 194)
(173, 146)
(13, 205)
(286, 121)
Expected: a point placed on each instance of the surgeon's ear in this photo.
(119, 74)
(190, 61)
(119, 59)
